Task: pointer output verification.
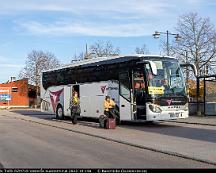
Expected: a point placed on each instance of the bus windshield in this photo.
(169, 80)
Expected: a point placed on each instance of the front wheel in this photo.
(59, 112)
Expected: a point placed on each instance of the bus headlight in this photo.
(155, 108)
(186, 107)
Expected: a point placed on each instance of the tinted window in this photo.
(124, 85)
(98, 73)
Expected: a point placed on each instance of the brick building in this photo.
(17, 94)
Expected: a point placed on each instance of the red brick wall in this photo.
(19, 98)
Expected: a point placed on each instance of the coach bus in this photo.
(144, 87)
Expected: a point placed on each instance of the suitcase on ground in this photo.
(110, 123)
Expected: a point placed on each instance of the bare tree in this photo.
(78, 57)
(98, 49)
(101, 48)
(36, 62)
(198, 44)
(142, 50)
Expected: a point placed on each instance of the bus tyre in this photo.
(59, 112)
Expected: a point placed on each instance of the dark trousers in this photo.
(110, 113)
(74, 111)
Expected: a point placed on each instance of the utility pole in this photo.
(187, 70)
(86, 53)
(167, 33)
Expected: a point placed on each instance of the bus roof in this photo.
(99, 60)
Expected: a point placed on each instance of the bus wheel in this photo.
(59, 112)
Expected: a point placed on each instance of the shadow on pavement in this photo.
(38, 114)
(208, 135)
(34, 113)
(89, 124)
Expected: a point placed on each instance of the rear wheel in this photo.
(59, 112)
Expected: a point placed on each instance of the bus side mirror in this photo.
(190, 65)
(152, 65)
(153, 68)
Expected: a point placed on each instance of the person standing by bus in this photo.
(109, 121)
(75, 106)
(109, 106)
(109, 112)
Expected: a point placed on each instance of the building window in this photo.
(14, 89)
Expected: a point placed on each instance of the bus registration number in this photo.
(174, 115)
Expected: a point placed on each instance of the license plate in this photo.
(174, 115)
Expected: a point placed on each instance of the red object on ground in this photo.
(110, 123)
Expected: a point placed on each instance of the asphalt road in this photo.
(28, 145)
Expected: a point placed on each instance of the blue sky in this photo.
(63, 27)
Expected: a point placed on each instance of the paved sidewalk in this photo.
(205, 120)
(199, 146)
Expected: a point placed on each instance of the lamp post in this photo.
(167, 33)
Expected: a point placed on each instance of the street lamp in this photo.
(157, 35)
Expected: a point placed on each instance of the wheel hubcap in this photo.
(60, 112)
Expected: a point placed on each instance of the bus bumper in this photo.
(166, 115)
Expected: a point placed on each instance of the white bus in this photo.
(144, 88)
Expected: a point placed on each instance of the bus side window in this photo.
(124, 82)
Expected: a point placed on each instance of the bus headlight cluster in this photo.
(186, 107)
(155, 108)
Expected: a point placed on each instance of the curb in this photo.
(120, 142)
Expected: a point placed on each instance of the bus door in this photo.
(139, 94)
(125, 105)
(68, 97)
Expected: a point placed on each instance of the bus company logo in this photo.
(112, 88)
(169, 102)
(103, 88)
(54, 97)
